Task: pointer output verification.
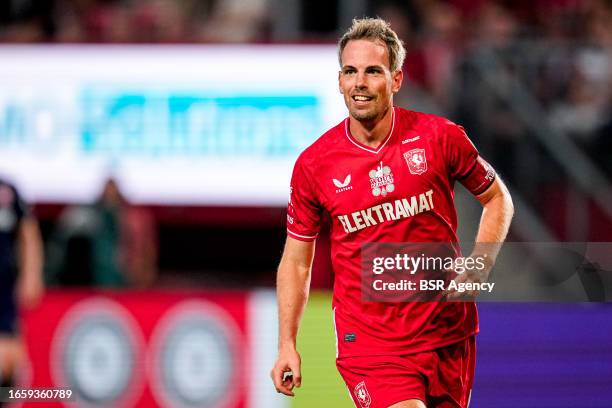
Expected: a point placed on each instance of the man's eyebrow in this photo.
(381, 67)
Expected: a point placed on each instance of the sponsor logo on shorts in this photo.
(362, 395)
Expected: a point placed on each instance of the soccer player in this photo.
(401, 354)
(21, 281)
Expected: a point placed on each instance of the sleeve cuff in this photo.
(484, 186)
(300, 237)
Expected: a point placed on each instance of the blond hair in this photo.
(374, 29)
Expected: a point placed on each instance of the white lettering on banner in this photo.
(391, 211)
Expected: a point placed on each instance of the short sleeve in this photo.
(466, 164)
(303, 210)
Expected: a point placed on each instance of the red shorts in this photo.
(441, 378)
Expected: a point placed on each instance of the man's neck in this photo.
(372, 133)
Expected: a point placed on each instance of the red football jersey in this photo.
(401, 191)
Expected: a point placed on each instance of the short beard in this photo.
(364, 116)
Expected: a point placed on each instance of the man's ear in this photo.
(398, 78)
(339, 86)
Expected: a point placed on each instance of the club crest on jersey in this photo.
(343, 185)
(362, 395)
(416, 160)
(381, 180)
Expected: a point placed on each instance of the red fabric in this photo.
(417, 164)
(441, 378)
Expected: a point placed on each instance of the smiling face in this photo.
(366, 81)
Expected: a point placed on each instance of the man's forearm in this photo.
(30, 250)
(292, 291)
(292, 287)
(495, 221)
(494, 224)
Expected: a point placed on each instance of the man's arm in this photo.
(292, 288)
(497, 213)
(30, 279)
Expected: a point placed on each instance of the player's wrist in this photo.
(287, 345)
(487, 251)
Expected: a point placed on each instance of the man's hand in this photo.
(471, 275)
(286, 373)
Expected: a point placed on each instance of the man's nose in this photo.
(361, 82)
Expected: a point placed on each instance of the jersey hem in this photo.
(402, 352)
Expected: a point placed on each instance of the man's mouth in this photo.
(362, 98)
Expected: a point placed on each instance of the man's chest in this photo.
(352, 181)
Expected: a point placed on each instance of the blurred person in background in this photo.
(21, 281)
(108, 244)
(236, 21)
(414, 90)
(390, 354)
(143, 21)
(500, 131)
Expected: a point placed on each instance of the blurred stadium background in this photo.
(154, 140)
